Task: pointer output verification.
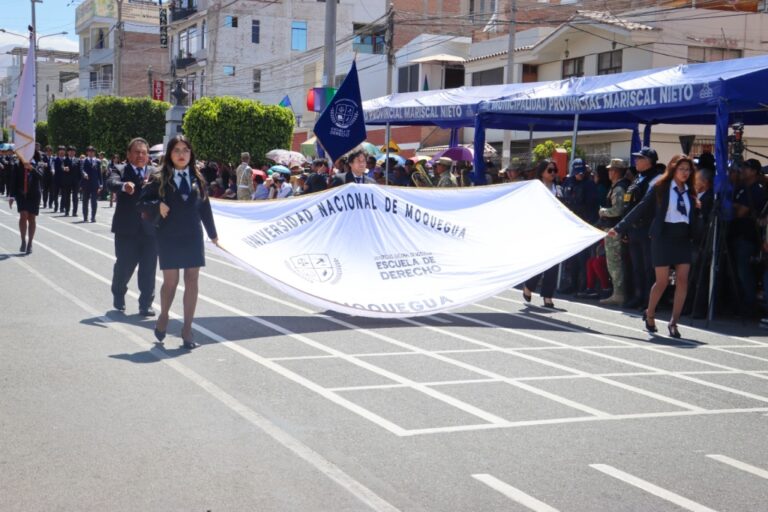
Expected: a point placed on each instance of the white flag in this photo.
(24, 108)
(394, 252)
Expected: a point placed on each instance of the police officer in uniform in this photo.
(639, 239)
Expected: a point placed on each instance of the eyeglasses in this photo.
(181, 151)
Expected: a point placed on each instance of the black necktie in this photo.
(681, 202)
(140, 172)
(184, 186)
(358, 179)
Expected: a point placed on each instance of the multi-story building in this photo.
(115, 65)
(54, 69)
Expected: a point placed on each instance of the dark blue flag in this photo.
(341, 126)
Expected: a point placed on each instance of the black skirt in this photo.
(674, 247)
(29, 204)
(181, 251)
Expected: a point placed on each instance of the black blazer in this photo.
(184, 217)
(75, 168)
(655, 204)
(349, 177)
(127, 219)
(15, 171)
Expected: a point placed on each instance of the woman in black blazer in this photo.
(676, 211)
(24, 186)
(177, 196)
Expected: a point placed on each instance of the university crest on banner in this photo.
(315, 268)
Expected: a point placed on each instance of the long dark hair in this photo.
(666, 179)
(543, 165)
(166, 171)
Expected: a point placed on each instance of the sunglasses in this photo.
(551, 170)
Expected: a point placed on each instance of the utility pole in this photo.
(149, 81)
(119, 49)
(506, 152)
(329, 61)
(34, 43)
(389, 37)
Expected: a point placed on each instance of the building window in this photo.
(299, 36)
(609, 63)
(256, 80)
(573, 67)
(454, 76)
(368, 39)
(100, 39)
(192, 38)
(202, 83)
(230, 21)
(339, 79)
(255, 31)
(706, 54)
(530, 73)
(229, 70)
(480, 11)
(202, 36)
(183, 49)
(493, 76)
(408, 78)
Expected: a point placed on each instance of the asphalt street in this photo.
(499, 406)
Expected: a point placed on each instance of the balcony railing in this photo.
(183, 62)
(180, 13)
(100, 86)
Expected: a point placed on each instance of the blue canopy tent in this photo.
(710, 93)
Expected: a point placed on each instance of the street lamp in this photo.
(37, 43)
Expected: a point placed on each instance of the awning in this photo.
(440, 57)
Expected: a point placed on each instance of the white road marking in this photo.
(320, 463)
(605, 322)
(654, 489)
(514, 493)
(749, 468)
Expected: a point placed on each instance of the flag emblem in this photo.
(344, 113)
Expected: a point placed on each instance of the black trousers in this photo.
(643, 274)
(548, 280)
(54, 198)
(46, 194)
(133, 250)
(92, 197)
(66, 198)
(75, 197)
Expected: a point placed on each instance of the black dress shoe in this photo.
(29, 248)
(189, 344)
(120, 306)
(147, 312)
(23, 248)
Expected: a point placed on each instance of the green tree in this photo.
(221, 128)
(41, 133)
(115, 121)
(6, 135)
(547, 148)
(68, 123)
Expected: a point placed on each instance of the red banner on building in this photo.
(158, 90)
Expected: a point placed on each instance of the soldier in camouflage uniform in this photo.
(609, 217)
(444, 174)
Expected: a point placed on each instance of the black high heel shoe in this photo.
(527, 297)
(673, 330)
(648, 326)
(160, 335)
(188, 344)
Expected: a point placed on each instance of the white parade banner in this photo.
(394, 252)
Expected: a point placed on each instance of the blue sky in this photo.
(51, 15)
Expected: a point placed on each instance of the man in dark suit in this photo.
(75, 175)
(357, 164)
(134, 236)
(57, 164)
(91, 183)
